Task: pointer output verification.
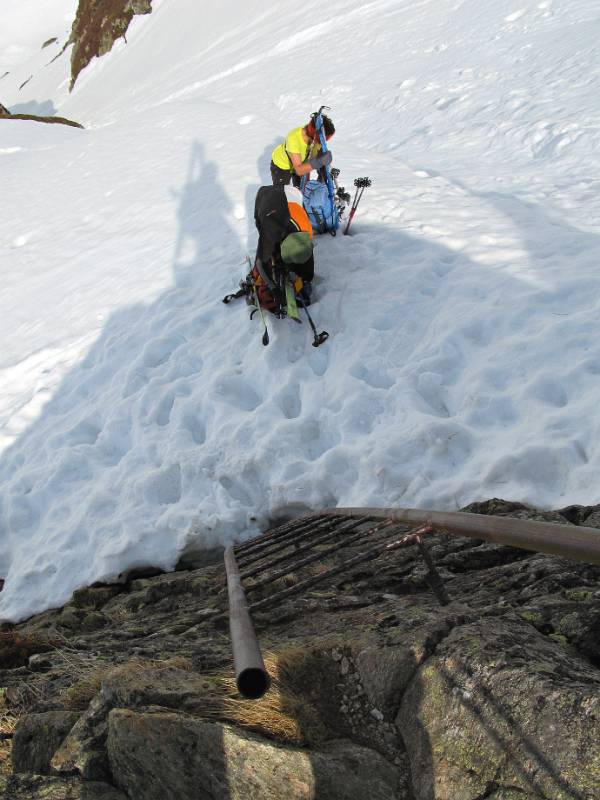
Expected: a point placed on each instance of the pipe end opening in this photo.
(253, 683)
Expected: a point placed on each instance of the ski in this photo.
(249, 289)
(290, 301)
(327, 171)
(259, 308)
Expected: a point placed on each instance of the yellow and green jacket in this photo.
(294, 143)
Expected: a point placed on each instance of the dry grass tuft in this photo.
(120, 615)
(16, 647)
(78, 695)
(8, 723)
(288, 711)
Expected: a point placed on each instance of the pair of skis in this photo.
(248, 288)
(361, 184)
(338, 196)
(292, 312)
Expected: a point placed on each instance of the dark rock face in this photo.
(39, 787)
(4, 112)
(38, 737)
(378, 691)
(98, 24)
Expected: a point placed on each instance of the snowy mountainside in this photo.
(139, 416)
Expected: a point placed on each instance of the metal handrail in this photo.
(251, 675)
(574, 542)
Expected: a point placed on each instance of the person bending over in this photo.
(300, 153)
(285, 234)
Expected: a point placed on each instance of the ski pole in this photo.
(361, 184)
(340, 192)
(265, 336)
(319, 337)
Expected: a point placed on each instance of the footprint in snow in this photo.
(237, 393)
(377, 378)
(164, 486)
(192, 421)
(289, 402)
(237, 491)
(429, 387)
(159, 350)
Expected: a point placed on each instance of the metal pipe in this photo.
(574, 542)
(318, 556)
(406, 540)
(296, 524)
(251, 675)
(306, 543)
(265, 547)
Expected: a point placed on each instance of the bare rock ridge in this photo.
(97, 26)
(379, 692)
(36, 118)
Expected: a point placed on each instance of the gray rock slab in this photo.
(154, 756)
(498, 711)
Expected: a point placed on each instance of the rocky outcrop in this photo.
(491, 712)
(4, 112)
(158, 755)
(49, 120)
(378, 691)
(98, 25)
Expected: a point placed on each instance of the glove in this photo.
(322, 160)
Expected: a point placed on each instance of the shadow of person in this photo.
(264, 174)
(67, 515)
(205, 235)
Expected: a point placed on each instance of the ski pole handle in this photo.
(361, 184)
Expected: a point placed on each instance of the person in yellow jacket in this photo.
(300, 153)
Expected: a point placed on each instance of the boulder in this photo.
(82, 752)
(385, 672)
(158, 755)
(128, 686)
(37, 737)
(500, 712)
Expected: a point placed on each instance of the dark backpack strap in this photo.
(322, 226)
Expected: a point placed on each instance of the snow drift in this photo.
(140, 417)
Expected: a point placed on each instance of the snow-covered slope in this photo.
(139, 416)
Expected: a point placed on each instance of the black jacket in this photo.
(273, 222)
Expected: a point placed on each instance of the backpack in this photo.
(267, 296)
(320, 207)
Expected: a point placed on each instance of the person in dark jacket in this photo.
(285, 233)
